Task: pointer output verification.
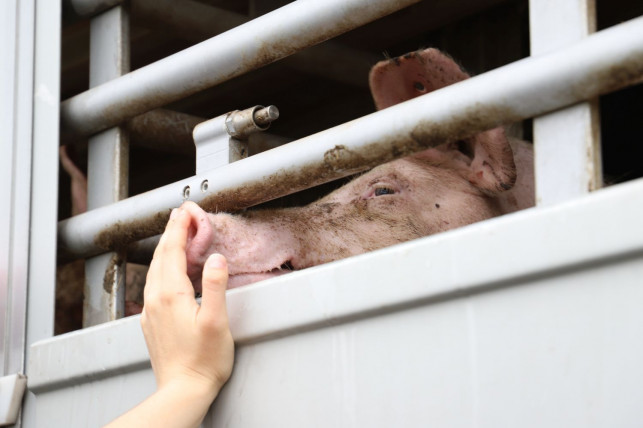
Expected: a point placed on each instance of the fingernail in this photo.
(215, 261)
(174, 213)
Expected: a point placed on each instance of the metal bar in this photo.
(567, 143)
(44, 167)
(164, 130)
(107, 172)
(16, 109)
(247, 47)
(196, 21)
(92, 7)
(43, 164)
(161, 129)
(603, 62)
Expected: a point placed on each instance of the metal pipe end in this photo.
(266, 115)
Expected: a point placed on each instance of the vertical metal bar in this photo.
(16, 110)
(567, 142)
(8, 37)
(107, 176)
(43, 165)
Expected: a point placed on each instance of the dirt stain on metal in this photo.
(111, 272)
(118, 235)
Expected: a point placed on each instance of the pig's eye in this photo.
(419, 86)
(384, 191)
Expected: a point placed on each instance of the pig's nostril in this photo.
(287, 266)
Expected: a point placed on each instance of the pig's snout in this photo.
(254, 251)
(200, 236)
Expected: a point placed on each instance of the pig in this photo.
(442, 188)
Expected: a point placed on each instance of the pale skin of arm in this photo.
(190, 346)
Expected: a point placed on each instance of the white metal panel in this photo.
(43, 190)
(15, 175)
(12, 388)
(532, 319)
(16, 109)
(567, 142)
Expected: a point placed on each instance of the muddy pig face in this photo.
(454, 184)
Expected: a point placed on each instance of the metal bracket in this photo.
(12, 388)
(223, 140)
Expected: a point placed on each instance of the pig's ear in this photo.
(486, 160)
(417, 73)
(492, 168)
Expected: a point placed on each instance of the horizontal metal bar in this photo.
(92, 7)
(603, 62)
(160, 129)
(192, 20)
(164, 130)
(259, 42)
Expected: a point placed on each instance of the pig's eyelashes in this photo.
(379, 191)
(419, 86)
(379, 188)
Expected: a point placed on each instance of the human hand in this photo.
(189, 345)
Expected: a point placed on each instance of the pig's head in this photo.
(454, 184)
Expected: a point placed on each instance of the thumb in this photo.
(214, 284)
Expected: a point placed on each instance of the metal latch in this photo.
(222, 140)
(12, 388)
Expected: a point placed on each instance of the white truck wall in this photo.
(530, 320)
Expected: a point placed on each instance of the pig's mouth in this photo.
(241, 279)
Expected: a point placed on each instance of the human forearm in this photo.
(179, 404)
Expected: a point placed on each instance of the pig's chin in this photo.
(242, 279)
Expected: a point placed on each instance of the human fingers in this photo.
(212, 324)
(176, 232)
(214, 283)
(168, 266)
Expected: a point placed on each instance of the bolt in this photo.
(266, 115)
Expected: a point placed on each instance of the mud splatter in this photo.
(111, 271)
(119, 235)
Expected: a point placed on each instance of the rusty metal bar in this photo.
(566, 140)
(259, 42)
(160, 129)
(601, 63)
(107, 171)
(195, 21)
(164, 130)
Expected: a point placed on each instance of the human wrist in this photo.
(191, 388)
